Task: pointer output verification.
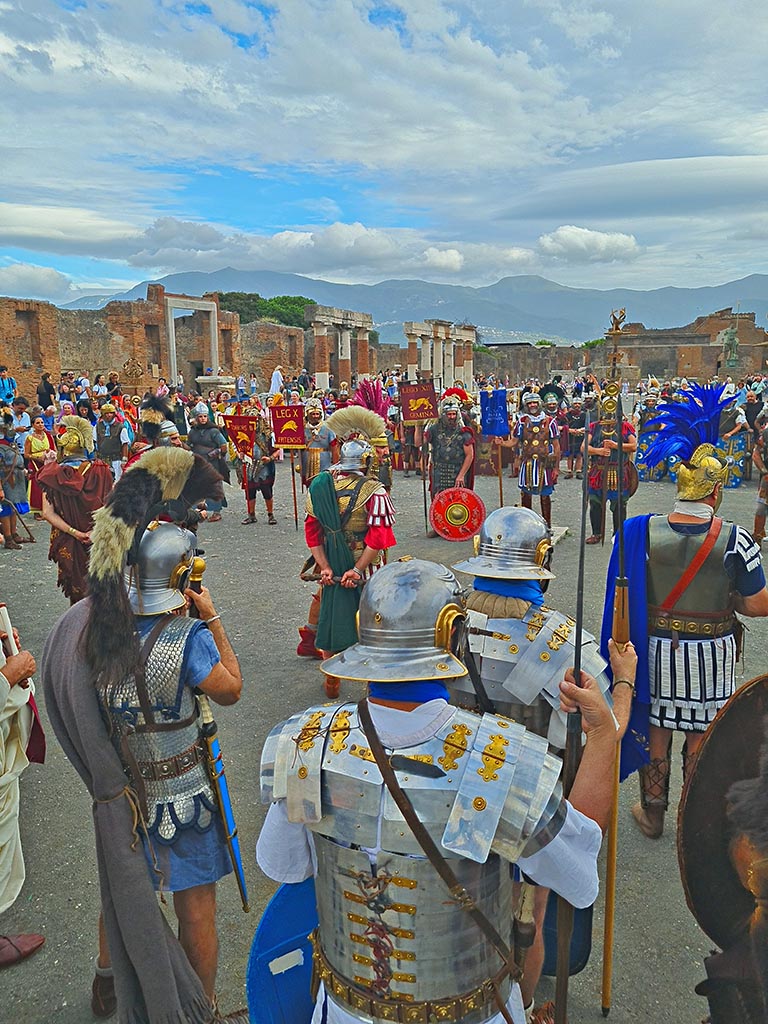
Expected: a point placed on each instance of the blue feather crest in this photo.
(691, 420)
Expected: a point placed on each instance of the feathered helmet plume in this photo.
(355, 421)
(371, 395)
(689, 428)
(163, 482)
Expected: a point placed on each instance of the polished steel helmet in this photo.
(408, 613)
(354, 455)
(156, 580)
(514, 543)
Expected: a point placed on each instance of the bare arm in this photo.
(224, 683)
(50, 515)
(754, 606)
(469, 455)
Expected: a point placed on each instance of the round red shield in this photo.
(456, 514)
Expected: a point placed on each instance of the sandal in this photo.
(594, 539)
(14, 948)
(215, 518)
(271, 520)
(247, 520)
(11, 545)
(22, 540)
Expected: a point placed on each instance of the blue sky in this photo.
(594, 143)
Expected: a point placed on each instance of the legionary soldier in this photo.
(348, 530)
(322, 447)
(73, 490)
(393, 942)
(603, 450)
(510, 628)
(261, 473)
(577, 421)
(120, 672)
(536, 444)
(450, 444)
(688, 572)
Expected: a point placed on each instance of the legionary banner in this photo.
(288, 426)
(418, 402)
(242, 432)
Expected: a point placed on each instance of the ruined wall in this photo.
(265, 345)
(29, 342)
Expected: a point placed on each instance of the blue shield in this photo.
(581, 938)
(494, 421)
(280, 964)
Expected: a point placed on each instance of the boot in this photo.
(546, 509)
(306, 648)
(654, 797)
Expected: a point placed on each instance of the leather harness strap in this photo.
(438, 862)
(695, 564)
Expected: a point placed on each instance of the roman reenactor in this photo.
(322, 447)
(409, 810)
(122, 672)
(536, 444)
(604, 473)
(689, 573)
(112, 439)
(260, 474)
(74, 489)
(450, 444)
(577, 420)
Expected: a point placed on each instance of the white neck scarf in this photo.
(693, 508)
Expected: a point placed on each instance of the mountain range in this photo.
(515, 309)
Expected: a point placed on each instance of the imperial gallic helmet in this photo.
(354, 456)
(409, 612)
(531, 398)
(513, 544)
(158, 576)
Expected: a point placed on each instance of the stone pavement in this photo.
(253, 576)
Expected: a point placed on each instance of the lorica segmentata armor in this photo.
(388, 928)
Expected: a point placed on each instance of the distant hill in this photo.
(523, 308)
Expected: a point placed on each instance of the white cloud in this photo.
(582, 245)
(443, 259)
(24, 280)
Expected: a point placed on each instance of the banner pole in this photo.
(293, 484)
(501, 477)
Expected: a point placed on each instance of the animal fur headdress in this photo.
(164, 481)
(153, 412)
(355, 421)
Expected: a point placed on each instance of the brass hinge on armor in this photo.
(470, 1007)
(172, 767)
(713, 626)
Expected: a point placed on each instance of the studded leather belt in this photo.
(469, 1008)
(696, 629)
(172, 767)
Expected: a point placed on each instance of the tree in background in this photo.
(282, 309)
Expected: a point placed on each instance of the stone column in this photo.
(469, 366)
(321, 355)
(437, 356)
(426, 357)
(412, 363)
(363, 362)
(458, 363)
(448, 363)
(345, 357)
(213, 323)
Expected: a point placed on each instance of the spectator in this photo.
(100, 386)
(113, 385)
(38, 443)
(8, 387)
(276, 385)
(22, 424)
(241, 393)
(67, 387)
(83, 387)
(162, 388)
(23, 741)
(206, 440)
(46, 392)
(254, 385)
(112, 440)
(49, 418)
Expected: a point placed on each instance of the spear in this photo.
(572, 757)
(620, 634)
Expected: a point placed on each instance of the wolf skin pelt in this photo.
(163, 475)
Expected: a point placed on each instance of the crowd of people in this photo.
(449, 769)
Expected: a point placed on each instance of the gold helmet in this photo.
(698, 477)
(77, 438)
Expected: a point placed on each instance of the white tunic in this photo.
(15, 728)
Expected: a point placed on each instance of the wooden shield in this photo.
(729, 753)
(456, 514)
